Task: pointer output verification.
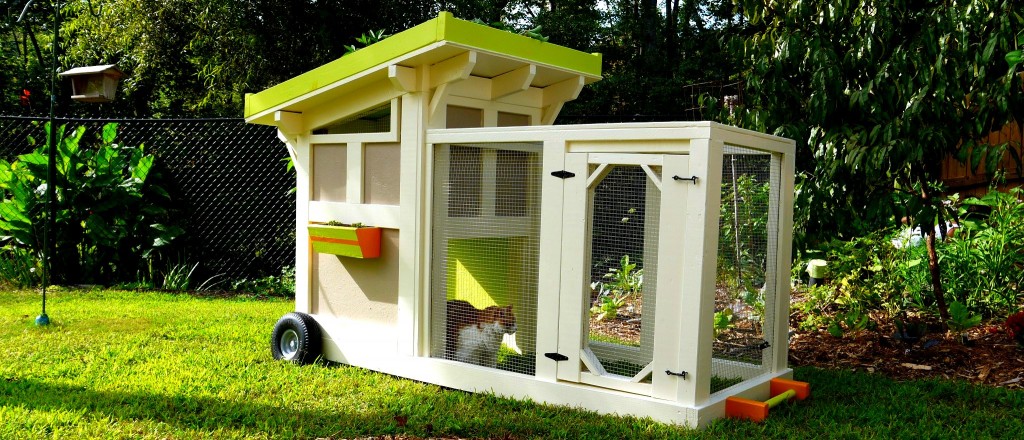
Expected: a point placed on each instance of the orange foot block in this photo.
(780, 391)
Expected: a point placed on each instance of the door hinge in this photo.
(563, 174)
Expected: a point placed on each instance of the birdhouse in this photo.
(94, 83)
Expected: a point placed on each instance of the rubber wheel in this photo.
(296, 338)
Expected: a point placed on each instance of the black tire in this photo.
(296, 338)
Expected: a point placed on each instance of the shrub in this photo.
(111, 216)
(983, 263)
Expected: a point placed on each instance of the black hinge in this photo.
(563, 174)
(557, 357)
(681, 374)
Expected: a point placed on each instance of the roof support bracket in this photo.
(453, 69)
(557, 94)
(289, 123)
(514, 81)
(403, 78)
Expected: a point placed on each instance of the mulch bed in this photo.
(989, 357)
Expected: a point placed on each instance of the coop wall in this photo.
(356, 289)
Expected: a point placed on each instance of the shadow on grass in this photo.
(195, 413)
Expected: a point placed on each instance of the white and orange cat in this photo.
(475, 335)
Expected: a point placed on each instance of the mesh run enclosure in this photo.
(624, 208)
(748, 228)
(226, 177)
(485, 240)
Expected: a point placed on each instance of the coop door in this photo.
(613, 227)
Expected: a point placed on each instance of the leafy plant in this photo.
(723, 321)
(985, 259)
(607, 307)
(852, 321)
(19, 267)
(625, 282)
(282, 285)
(112, 216)
(961, 319)
(177, 277)
(534, 33)
(366, 40)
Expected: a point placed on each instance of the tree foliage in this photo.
(185, 57)
(879, 93)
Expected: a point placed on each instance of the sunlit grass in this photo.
(153, 365)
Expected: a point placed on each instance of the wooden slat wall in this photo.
(959, 178)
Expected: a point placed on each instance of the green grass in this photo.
(154, 365)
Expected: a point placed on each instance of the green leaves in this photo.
(110, 212)
(960, 318)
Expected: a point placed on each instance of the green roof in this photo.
(443, 29)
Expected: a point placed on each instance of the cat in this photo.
(474, 335)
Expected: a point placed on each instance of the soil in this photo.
(983, 355)
(988, 357)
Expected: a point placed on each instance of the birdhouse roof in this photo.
(90, 70)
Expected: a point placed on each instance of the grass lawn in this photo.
(152, 365)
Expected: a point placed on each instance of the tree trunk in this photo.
(933, 257)
(933, 268)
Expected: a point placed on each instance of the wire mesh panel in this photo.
(486, 227)
(623, 236)
(745, 278)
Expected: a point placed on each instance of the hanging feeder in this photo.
(94, 83)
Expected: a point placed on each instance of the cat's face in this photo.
(504, 317)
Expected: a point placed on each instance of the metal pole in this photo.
(51, 169)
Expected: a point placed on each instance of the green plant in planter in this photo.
(349, 240)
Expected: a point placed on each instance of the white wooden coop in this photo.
(441, 136)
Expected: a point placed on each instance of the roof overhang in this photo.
(426, 57)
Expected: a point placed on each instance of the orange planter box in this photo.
(346, 241)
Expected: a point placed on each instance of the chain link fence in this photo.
(227, 182)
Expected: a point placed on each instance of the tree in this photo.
(879, 93)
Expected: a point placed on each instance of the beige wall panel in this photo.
(464, 117)
(381, 175)
(512, 120)
(329, 163)
(356, 289)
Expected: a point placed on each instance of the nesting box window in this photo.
(374, 120)
(506, 119)
(464, 117)
(330, 182)
(486, 230)
(623, 228)
(747, 244)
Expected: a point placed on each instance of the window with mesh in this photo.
(485, 239)
(623, 233)
(374, 120)
(748, 230)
